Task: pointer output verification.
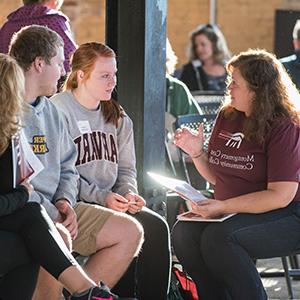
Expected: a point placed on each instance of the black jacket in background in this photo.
(292, 65)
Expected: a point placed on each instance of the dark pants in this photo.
(39, 240)
(219, 256)
(148, 276)
(18, 272)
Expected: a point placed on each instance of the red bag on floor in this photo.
(187, 286)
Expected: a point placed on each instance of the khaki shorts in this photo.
(91, 218)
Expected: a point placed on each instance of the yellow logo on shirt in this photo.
(39, 144)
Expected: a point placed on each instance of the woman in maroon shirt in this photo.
(253, 160)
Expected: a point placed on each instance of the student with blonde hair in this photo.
(29, 220)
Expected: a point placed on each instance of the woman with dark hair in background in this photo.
(208, 55)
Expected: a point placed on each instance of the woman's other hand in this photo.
(209, 209)
(116, 202)
(28, 186)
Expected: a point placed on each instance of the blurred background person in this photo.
(179, 99)
(292, 62)
(208, 54)
(39, 12)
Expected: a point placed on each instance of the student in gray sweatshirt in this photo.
(103, 135)
(102, 234)
(28, 236)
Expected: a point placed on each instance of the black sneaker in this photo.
(101, 292)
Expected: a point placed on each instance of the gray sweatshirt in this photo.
(105, 154)
(50, 141)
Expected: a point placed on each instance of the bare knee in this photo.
(121, 229)
(130, 230)
(134, 230)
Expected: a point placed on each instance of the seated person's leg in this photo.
(20, 282)
(111, 239)
(154, 260)
(47, 288)
(34, 229)
(47, 248)
(186, 240)
(14, 252)
(46, 280)
(17, 268)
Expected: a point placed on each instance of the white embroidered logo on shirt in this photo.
(234, 140)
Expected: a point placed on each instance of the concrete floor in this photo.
(276, 286)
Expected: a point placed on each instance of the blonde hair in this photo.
(12, 85)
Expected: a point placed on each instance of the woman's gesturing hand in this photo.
(190, 141)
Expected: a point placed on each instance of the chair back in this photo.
(193, 121)
(210, 108)
(209, 101)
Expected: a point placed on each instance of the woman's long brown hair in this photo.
(275, 96)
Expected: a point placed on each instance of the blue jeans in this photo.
(219, 256)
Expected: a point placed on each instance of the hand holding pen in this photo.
(135, 201)
(116, 202)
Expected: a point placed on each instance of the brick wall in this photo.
(245, 23)
(87, 19)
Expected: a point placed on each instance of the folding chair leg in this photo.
(287, 277)
(294, 261)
